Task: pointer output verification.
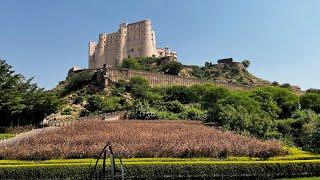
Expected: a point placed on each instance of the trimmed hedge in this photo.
(160, 170)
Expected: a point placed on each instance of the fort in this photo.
(133, 40)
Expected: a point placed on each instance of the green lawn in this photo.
(6, 136)
(305, 178)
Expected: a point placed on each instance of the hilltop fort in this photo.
(133, 40)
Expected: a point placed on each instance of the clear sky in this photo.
(281, 38)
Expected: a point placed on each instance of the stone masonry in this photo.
(133, 40)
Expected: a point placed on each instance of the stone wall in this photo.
(157, 79)
(133, 40)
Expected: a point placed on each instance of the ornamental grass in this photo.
(133, 138)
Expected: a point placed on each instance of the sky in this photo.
(44, 38)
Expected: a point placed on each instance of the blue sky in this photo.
(281, 38)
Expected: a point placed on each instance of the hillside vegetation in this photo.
(266, 112)
(231, 72)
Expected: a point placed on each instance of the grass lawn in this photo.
(6, 136)
(304, 178)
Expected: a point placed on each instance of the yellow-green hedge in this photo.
(158, 169)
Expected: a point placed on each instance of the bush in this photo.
(246, 63)
(311, 101)
(180, 93)
(101, 104)
(172, 170)
(131, 63)
(78, 80)
(139, 87)
(172, 68)
(142, 110)
(212, 95)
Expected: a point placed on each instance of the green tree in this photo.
(181, 93)
(22, 102)
(172, 68)
(311, 101)
(246, 63)
(212, 95)
(139, 87)
(131, 63)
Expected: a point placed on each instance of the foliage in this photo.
(142, 110)
(180, 93)
(138, 139)
(286, 85)
(22, 102)
(311, 101)
(212, 95)
(153, 169)
(78, 80)
(172, 68)
(131, 63)
(313, 91)
(246, 63)
(6, 136)
(102, 104)
(139, 87)
(312, 141)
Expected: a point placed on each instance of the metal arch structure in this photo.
(95, 174)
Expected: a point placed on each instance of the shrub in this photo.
(142, 110)
(172, 68)
(246, 63)
(102, 104)
(131, 63)
(78, 80)
(139, 87)
(311, 101)
(181, 93)
(172, 170)
(212, 95)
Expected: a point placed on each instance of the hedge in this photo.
(160, 170)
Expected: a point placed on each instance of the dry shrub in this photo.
(139, 139)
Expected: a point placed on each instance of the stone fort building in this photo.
(133, 40)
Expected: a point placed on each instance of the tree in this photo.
(275, 83)
(139, 87)
(246, 63)
(181, 93)
(313, 91)
(212, 95)
(311, 101)
(172, 68)
(286, 85)
(131, 63)
(21, 101)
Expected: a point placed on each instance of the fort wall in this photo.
(157, 79)
(133, 40)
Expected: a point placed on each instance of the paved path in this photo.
(24, 135)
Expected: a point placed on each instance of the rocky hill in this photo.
(225, 70)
